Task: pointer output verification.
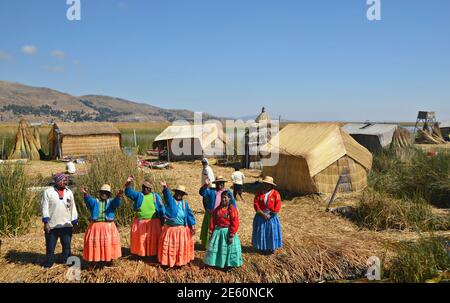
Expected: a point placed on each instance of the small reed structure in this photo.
(27, 143)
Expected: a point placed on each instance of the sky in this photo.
(306, 60)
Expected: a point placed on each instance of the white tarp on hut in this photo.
(205, 139)
(371, 136)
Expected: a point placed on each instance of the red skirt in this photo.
(176, 246)
(102, 242)
(145, 236)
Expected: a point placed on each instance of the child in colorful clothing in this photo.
(267, 235)
(212, 198)
(102, 240)
(146, 227)
(176, 246)
(224, 249)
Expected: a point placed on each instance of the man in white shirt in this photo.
(70, 168)
(59, 214)
(207, 173)
(238, 183)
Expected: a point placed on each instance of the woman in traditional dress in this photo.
(212, 198)
(176, 246)
(224, 249)
(102, 240)
(146, 227)
(267, 235)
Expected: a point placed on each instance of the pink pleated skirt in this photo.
(176, 246)
(145, 236)
(102, 242)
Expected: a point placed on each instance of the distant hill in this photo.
(42, 104)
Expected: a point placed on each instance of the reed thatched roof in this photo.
(206, 133)
(320, 144)
(86, 128)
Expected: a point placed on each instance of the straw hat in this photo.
(182, 189)
(105, 187)
(147, 184)
(268, 180)
(220, 179)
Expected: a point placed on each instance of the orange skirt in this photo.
(176, 246)
(101, 242)
(145, 237)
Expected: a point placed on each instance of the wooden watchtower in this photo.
(427, 118)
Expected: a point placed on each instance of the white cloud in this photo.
(53, 68)
(5, 56)
(29, 49)
(58, 54)
(76, 62)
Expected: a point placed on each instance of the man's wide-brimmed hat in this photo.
(182, 189)
(220, 179)
(106, 188)
(268, 180)
(147, 184)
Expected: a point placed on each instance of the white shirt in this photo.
(207, 172)
(238, 177)
(70, 167)
(61, 213)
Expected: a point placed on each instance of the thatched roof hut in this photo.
(82, 139)
(191, 142)
(374, 137)
(313, 156)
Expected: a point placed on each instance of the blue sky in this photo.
(306, 60)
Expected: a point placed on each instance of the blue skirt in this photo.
(266, 234)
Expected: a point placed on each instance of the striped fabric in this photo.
(101, 213)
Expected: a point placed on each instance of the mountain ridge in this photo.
(43, 104)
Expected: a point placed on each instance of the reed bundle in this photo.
(26, 145)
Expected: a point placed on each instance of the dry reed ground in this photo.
(317, 245)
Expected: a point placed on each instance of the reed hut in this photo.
(188, 142)
(313, 156)
(374, 137)
(82, 139)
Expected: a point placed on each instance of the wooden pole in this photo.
(334, 193)
(135, 140)
(168, 151)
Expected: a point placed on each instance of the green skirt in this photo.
(220, 253)
(204, 234)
